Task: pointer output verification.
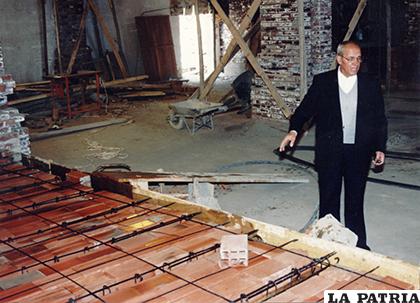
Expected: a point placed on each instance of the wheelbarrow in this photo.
(199, 113)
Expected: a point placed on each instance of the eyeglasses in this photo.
(353, 59)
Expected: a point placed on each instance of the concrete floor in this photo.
(240, 144)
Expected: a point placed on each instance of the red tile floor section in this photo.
(62, 242)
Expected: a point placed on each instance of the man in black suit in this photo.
(351, 130)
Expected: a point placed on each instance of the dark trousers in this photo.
(354, 169)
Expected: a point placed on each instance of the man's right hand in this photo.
(289, 139)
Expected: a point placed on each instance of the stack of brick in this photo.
(280, 51)
(14, 139)
(6, 81)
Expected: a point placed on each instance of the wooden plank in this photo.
(120, 81)
(109, 38)
(102, 182)
(254, 63)
(79, 39)
(117, 30)
(200, 45)
(188, 177)
(144, 94)
(73, 129)
(29, 99)
(19, 85)
(230, 49)
(352, 25)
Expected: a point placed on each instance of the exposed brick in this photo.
(279, 56)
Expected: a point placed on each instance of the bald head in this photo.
(349, 57)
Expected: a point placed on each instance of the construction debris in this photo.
(329, 228)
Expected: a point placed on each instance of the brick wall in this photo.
(410, 52)
(279, 55)
(69, 15)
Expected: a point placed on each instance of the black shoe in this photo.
(363, 246)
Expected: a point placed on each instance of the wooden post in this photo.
(230, 49)
(117, 30)
(44, 38)
(216, 41)
(105, 65)
(352, 25)
(252, 31)
(302, 50)
(57, 37)
(248, 54)
(200, 46)
(109, 38)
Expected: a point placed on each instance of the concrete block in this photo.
(234, 250)
(203, 193)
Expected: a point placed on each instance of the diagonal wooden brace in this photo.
(251, 58)
(230, 49)
(109, 38)
(352, 25)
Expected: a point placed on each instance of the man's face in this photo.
(350, 60)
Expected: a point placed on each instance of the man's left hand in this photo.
(379, 158)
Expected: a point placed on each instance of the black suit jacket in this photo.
(322, 103)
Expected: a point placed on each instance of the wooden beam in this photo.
(29, 99)
(117, 30)
(109, 38)
(23, 85)
(188, 177)
(90, 86)
(352, 25)
(120, 81)
(200, 45)
(230, 49)
(79, 39)
(74, 129)
(254, 63)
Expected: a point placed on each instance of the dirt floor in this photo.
(240, 144)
